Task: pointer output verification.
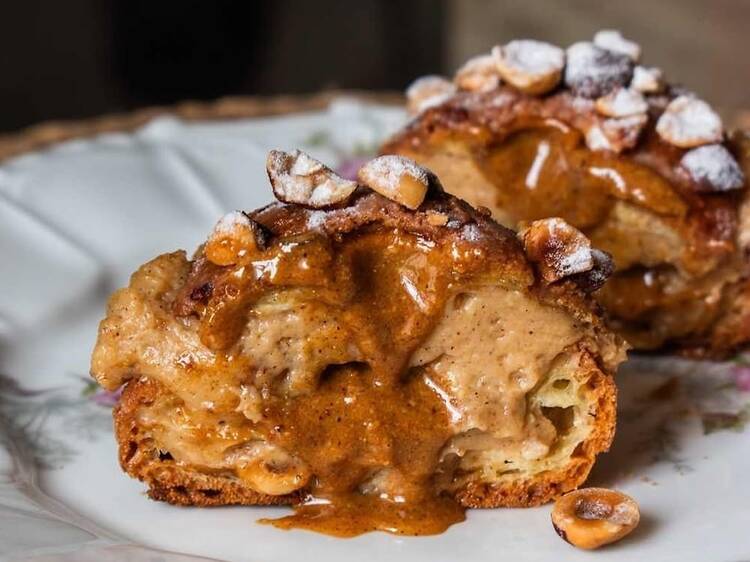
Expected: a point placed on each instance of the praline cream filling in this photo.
(501, 363)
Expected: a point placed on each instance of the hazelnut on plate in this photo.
(592, 517)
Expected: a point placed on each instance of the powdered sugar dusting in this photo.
(233, 236)
(316, 219)
(616, 133)
(478, 74)
(304, 165)
(298, 178)
(622, 102)
(498, 98)
(576, 261)
(592, 72)
(612, 40)
(391, 168)
(325, 193)
(647, 79)
(229, 222)
(397, 178)
(596, 139)
(471, 233)
(531, 66)
(573, 254)
(623, 132)
(583, 105)
(614, 97)
(559, 250)
(428, 91)
(688, 122)
(713, 168)
(532, 56)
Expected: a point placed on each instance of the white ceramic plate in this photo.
(77, 219)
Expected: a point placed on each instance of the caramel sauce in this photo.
(352, 430)
(544, 169)
(369, 430)
(351, 515)
(547, 171)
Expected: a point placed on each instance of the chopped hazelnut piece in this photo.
(612, 40)
(478, 74)
(531, 66)
(604, 267)
(713, 168)
(616, 134)
(397, 178)
(622, 102)
(298, 178)
(561, 251)
(688, 122)
(596, 139)
(268, 468)
(592, 517)
(428, 91)
(559, 248)
(592, 72)
(647, 80)
(234, 236)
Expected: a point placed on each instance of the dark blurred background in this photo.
(78, 58)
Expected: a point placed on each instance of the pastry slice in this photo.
(644, 169)
(380, 355)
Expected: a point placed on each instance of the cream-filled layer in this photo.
(491, 362)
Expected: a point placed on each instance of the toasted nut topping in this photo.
(268, 468)
(622, 102)
(592, 517)
(603, 268)
(560, 250)
(713, 168)
(596, 139)
(397, 178)
(689, 122)
(428, 91)
(531, 66)
(647, 80)
(612, 40)
(298, 178)
(616, 134)
(235, 236)
(592, 72)
(478, 74)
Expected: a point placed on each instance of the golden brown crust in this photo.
(552, 484)
(367, 209)
(166, 480)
